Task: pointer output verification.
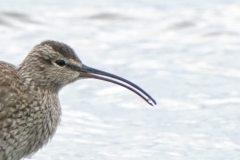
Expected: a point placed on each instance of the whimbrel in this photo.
(29, 106)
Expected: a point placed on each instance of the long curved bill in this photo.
(88, 72)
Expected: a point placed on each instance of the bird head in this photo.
(52, 65)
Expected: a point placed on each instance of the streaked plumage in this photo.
(29, 106)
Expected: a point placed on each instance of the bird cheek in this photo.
(73, 75)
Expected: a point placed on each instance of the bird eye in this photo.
(60, 62)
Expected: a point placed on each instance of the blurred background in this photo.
(184, 53)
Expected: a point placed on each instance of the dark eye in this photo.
(60, 62)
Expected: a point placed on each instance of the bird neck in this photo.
(33, 77)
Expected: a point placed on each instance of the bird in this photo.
(29, 105)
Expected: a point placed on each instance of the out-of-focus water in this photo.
(185, 54)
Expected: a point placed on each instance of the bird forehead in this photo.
(63, 49)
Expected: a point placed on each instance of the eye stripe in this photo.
(60, 63)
